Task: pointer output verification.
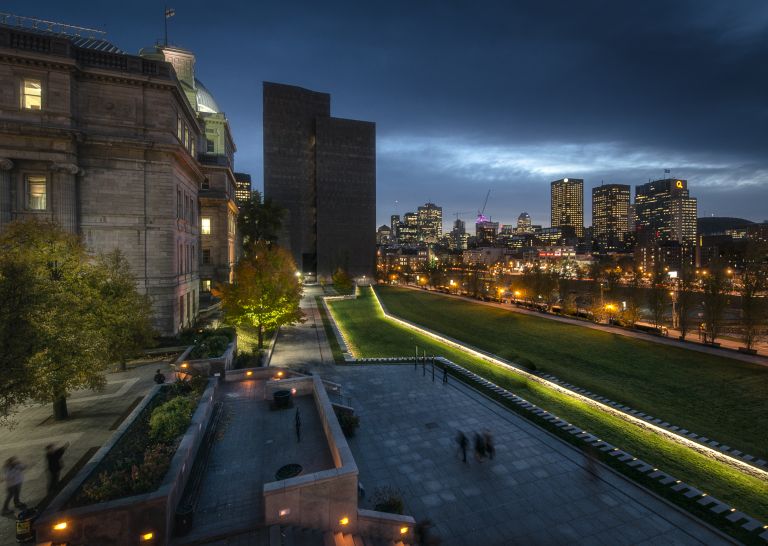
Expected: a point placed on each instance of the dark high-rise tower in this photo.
(322, 171)
(610, 215)
(568, 204)
(664, 211)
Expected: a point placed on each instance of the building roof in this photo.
(205, 101)
(83, 42)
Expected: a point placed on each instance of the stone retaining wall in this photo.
(124, 521)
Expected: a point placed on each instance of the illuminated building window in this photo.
(32, 94)
(205, 285)
(36, 192)
(205, 225)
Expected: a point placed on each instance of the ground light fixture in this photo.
(146, 537)
(403, 530)
(249, 373)
(344, 521)
(60, 526)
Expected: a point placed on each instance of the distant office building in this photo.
(408, 229)
(486, 233)
(394, 222)
(322, 171)
(459, 235)
(383, 235)
(430, 223)
(524, 223)
(242, 188)
(664, 211)
(610, 216)
(568, 204)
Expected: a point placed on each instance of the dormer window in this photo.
(31, 94)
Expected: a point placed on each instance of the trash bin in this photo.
(24, 531)
(183, 523)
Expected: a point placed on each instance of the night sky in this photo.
(507, 96)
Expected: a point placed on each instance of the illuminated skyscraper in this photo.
(524, 223)
(430, 223)
(610, 215)
(242, 188)
(664, 211)
(568, 204)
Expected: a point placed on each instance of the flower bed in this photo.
(140, 459)
(212, 343)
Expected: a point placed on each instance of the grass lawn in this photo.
(370, 334)
(717, 397)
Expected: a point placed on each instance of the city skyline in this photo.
(467, 101)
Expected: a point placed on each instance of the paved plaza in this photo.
(536, 491)
(304, 345)
(252, 443)
(94, 417)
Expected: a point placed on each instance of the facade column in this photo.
(5, 190)
(64, 195)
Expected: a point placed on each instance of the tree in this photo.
(714, 286)
(259, 221)
(754, 283)
(58, 335)
(631, 314)
(686, 281)
(266, 292)
(657, 294)
(128, 317)
(342, 281)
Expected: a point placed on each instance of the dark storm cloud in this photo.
(505, 95)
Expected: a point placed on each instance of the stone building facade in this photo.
(106, 144)
(322, 171)
(217, 193)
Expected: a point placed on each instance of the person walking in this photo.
(479, 448)
(490, 449)
(13, 473)
(159, 377)
(461, 439)
(53, 457)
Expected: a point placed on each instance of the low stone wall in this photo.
(327, 500)
(208, 366)
(126, 520)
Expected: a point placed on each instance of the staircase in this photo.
(294, 536)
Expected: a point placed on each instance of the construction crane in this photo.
(481, 213)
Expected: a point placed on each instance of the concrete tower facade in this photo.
(322, 171)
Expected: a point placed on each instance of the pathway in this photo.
(690, 344)
(536, 491)
(252, 443)
(94, 417)
(304, 345)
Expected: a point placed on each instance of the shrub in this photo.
(349, 423)
(210, 347)
(171, 419)
(388, 499)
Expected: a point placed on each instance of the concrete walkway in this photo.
(304, 345)
(537, 490)
(252, 443)
(94, 417)
(671, 341)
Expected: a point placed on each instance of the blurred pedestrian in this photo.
(490, 448)
(298, 425)
(159, 377)
(53, 457)
(479, 447)
(461, 439)
(13, 474)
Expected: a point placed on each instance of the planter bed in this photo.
(132, 485)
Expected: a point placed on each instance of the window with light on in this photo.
(205, 225)
(32, 94)
(36, 193)
(206, 285)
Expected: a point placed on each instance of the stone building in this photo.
(218, 207)
(322, 171)
(106, 144)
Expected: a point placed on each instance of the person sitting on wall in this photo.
(159, 378)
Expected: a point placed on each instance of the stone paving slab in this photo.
(536, 491)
